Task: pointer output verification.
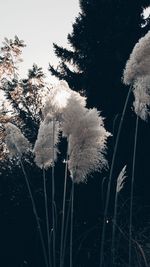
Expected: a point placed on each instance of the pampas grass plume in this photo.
(137, 73)
(16, 142)
(57, 99)
(139, 61)
(141, 91)
(74, 110)
(43, 148)
(87, 145)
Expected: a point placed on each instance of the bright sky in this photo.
(39, 24)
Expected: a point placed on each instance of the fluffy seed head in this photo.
(139, 61)
(16, 142)
(45, 148)
(141, 91)
(73, 111)
(57, 99)
(87, 145)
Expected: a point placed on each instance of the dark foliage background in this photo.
(102, 39)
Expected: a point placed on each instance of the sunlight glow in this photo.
(61, 98)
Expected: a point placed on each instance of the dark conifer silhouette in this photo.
(103, 36)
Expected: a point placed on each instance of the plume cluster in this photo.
(84, 129)
(16, 142)
(65, 111)
(137, 73)
(45, 148)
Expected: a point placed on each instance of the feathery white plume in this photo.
(121, 179)
(72, 113)
(137, 73)
(141, 91)
(83, 128)
(47, 140)
(16, 142)
(87, 145)
(139, 61)
(57, 99)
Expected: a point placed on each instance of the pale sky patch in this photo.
(39, 24)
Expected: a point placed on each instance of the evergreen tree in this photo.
(22, 98)
(103, 36)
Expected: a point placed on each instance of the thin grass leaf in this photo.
(121, 179)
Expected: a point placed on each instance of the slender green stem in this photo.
(71, 224)
(47, 219)
(66, 229)
(131, 194)
(53, 199)
(35, 213)
(114, 229)
(63, 212)
(142, 253)
(110, 179)
(135, 242)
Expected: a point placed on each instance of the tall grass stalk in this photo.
(35, 213)
(63, 211)
(47, 219)
(119, 186)
(53, 199)
(131, 194)
(136, 243)
(114, 229)
(66, 230)
(142, 253)
(69, 214)
(71, 223)
(110, 178)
